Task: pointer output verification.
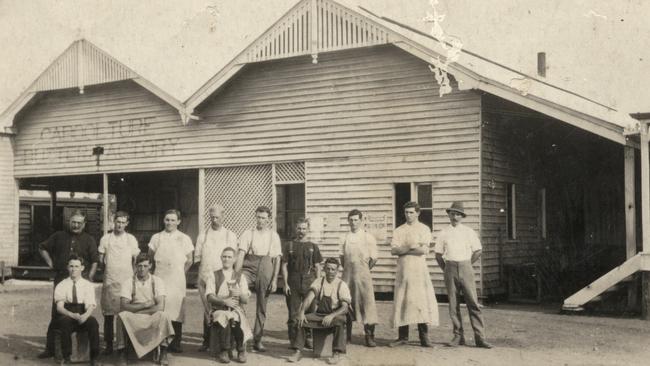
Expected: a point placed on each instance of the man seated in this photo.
(332, 298)
(145, 325)
(226, 291)
(75, 302)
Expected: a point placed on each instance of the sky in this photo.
(598, 48)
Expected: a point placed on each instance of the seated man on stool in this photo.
(225, 291)
(143, 319)
(333, 298)
(75, 302)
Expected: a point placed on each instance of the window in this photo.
(542, 213)
(511, 218)
(422, 193)
(290, 207)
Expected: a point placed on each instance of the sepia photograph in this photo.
(325, 182)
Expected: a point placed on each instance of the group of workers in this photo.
(143, 294)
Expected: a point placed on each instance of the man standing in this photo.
(333, 298)
(457, 248)
(259, 260)
(208, 249)
(117, 250)
(56, 251)
(75, 302)
(146, 325)
(358, 252)
(414, 297)
(300, 267)
(226, 291)
(172, 252)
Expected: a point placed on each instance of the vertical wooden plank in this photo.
(105, 211)
(52, 204)
(274, 198)
(645, 219)
(314, 29)
(630, 218)
(201, 201)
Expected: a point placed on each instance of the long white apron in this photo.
(414, 296)
(118, 254)
(356, 274)
(170, 256)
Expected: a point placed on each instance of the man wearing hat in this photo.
(457, 247)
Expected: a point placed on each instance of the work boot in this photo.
(241, 356)
(297, 356)
(175, 346)
(163, 359)
(458, 340)
(403, 337)
(481, 343)
(204, 347)
(423, 332)
(336, 357)
(369, 329)
(223, 357)
(45, 354)
(258, 346)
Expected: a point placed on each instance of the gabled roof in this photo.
(81, 64)
(314, 26)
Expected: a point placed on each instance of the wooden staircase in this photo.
(611, 281)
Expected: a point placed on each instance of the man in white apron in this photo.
(172, 253)
(414, 297)
(207, 253)
(358, 252)
(117, 250)
(259, 256)
(226, 292)
(146, 325)
(457, 247)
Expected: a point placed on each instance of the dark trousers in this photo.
(316, 321)
(66, 326)
(49, 341)
(403, 331)
(459, 276)
(108, 331)
(226, 336)
(294, 301)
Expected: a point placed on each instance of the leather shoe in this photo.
(483, 344)
(297, 356)
(204, 348)
(223, 357)
(336, 357)
(308, 344)
(175, 349)
(241, 356)
(45, 354)
(259, 347)
(456, 341)
(398, 342)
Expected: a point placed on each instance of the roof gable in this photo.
(82, 64)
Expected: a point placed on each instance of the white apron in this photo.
(170, 256)
(414, 297)
(118, 254)
(356, 274)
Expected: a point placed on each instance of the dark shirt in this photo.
(301, 259)
(62, 244)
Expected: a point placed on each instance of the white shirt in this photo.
(457, 243)
(264, 242)
(85, 292)
(359, 246)
(144, 291)
(118, 249)
(209, 246)
(413, 235)
(223, 290)
(330, 289)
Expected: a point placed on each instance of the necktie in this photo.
(74, 292)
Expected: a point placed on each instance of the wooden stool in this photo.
(80, 346)
(323, 338)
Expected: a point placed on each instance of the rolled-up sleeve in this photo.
(441, 242)
(475, 242)
(276, 245)
(48, 244)
(344, 293)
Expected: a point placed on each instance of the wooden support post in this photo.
(630, 220)
(201, 203)
(105, 203)
(645, 218)
(52, 205)
(274, 199)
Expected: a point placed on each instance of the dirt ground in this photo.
(522, 334)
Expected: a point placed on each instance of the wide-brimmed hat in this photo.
(457, 207)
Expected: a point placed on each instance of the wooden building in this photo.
(330, 109)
